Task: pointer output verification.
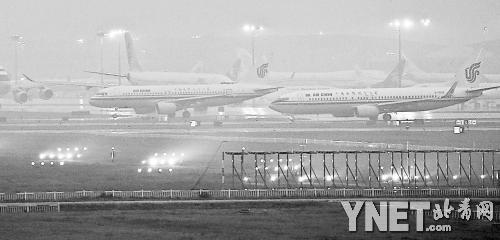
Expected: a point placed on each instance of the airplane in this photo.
(286, 87)
(350, 78)
(418, 76)
(371, 102)
(137, 76)
(20, 89)
(168, 99)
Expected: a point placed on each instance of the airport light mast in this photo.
(101, 35)
(253, 30)
(404, 24)
(18, 40)
(112, 34)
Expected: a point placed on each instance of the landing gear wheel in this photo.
(186, 114)
(386, 117)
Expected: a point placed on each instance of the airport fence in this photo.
(243, 194)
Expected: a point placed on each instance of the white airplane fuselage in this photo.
(146, 99)
(344, 102)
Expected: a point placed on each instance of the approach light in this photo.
(156, 154)
(483, 176)
(170, 169)
(51, 156)
(84, 148)
(59, 149)
(76, 149)
(33, 163)
(139, 170)
(143, 162)
(160, 170)
(271, 160)
(245, 179)
(42, 163)
(41, 156)
(329, 178)
(67, 149)
(78, 155)
(273, 178)
(275, 169)
(51, 163)
(61, 163)
(150, 170)
(455, 177)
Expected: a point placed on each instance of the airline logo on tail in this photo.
(472, 72)
(262, 70)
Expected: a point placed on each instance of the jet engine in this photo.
(166, 108)
(20, 95)
(45, 93)
(369, 111)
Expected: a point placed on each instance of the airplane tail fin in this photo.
(392, 79)
(262, 71)
(236, 70)
(133, 62)
(411, 69)
(469, 75)
(198, 67)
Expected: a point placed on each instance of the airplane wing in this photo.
(107, 74)
(190, 101)
(474, 90)
(404, 105)
(87, 85)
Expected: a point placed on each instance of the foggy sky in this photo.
(51, 28)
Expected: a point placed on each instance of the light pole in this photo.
(101, 35)
(18, 40)
(399, 25)
(253, 31)
(112, 35)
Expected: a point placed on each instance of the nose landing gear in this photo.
(386, 117)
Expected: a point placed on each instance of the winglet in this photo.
(28, 78)
(451, 91)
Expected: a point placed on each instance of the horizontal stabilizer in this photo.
(108, 74)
